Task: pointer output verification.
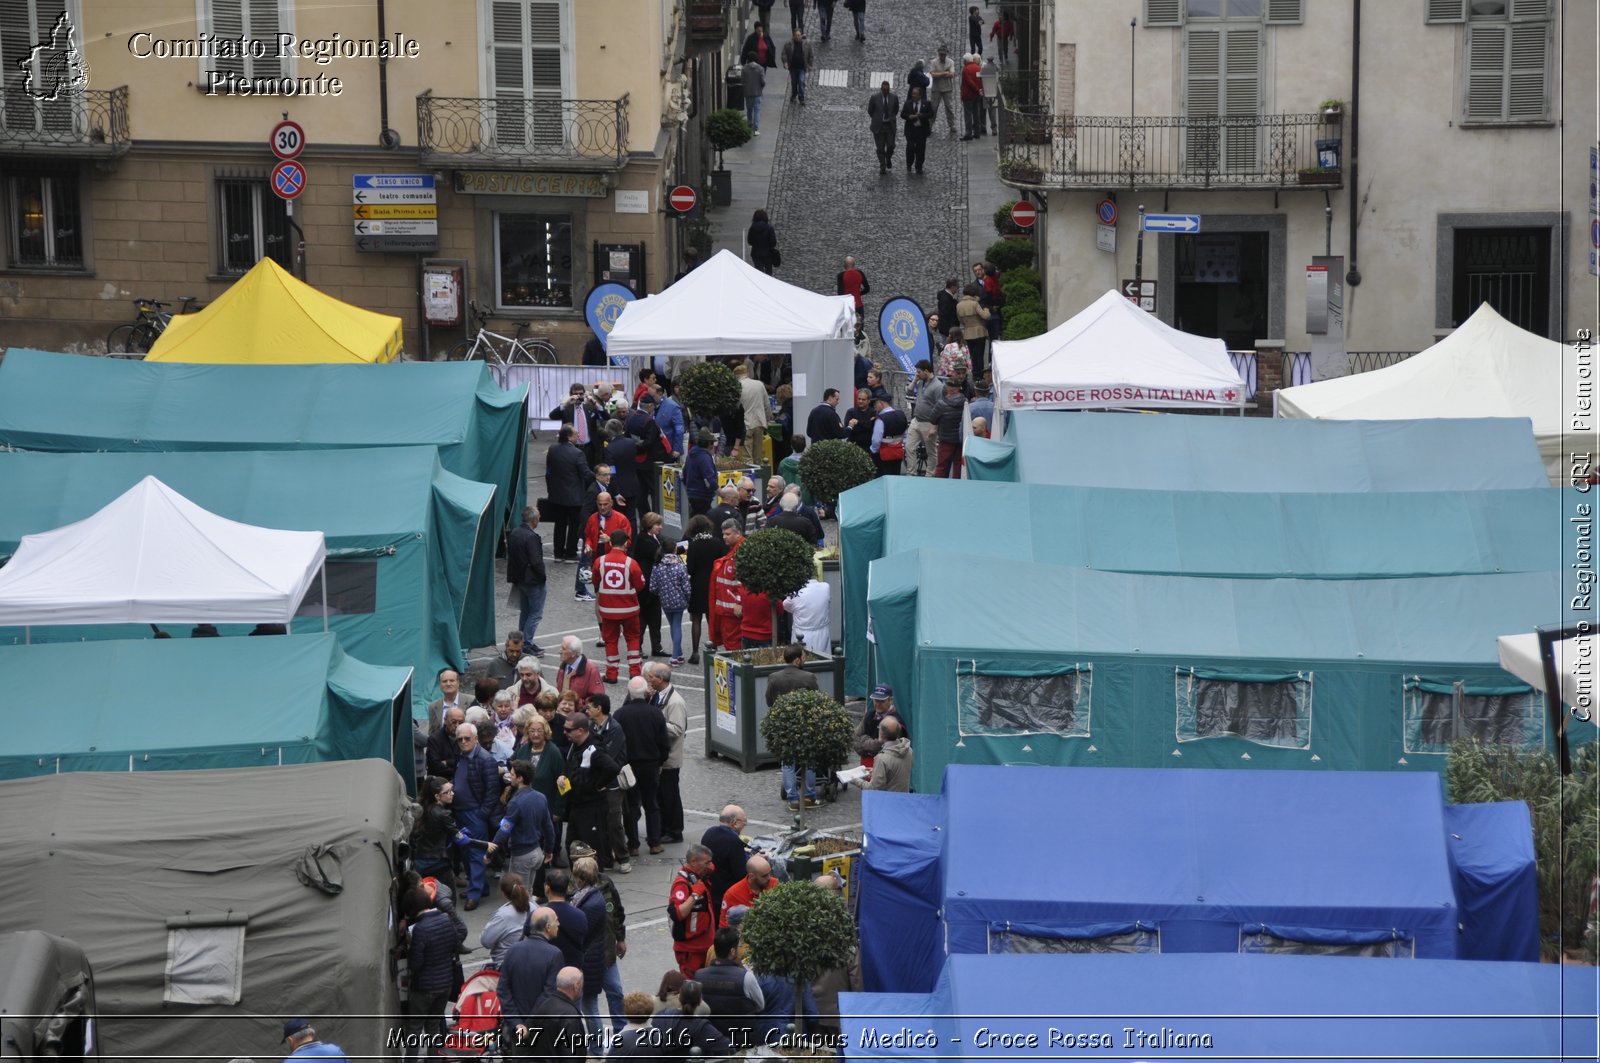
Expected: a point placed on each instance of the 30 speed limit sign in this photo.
(288, 140)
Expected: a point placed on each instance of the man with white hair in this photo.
(645, 728)
(806, 511)
(477, 783)
(727, 508)
(675, 713)
(789, 519)
(577, 672)
(751, 513)
(529, 682)
(443, 754)
(556, 1032)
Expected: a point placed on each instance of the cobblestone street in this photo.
(827, 199)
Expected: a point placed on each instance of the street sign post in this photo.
(1172, 223)
(395, 212)
(1140, 293)
(288, 140)
(288, 180)
(682, 199)
(1024, 214)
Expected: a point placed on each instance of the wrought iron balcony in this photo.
(591, 134)
(1042, 150)
(708, 21)
(88, 124)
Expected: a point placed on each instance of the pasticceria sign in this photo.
(526, 183)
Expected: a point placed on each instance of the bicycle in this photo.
(501, 350)
(138, 336)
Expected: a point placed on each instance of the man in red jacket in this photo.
(689, 912)
(727, 593)
(602, 522)
(617, 582)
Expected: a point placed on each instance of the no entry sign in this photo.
(1024, 215)
(681, 199)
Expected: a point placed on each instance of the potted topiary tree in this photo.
(709, 388)
(832, 467)
(810, 730)
(775, 562)
(727, 128)
(798, 932)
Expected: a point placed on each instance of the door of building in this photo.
(1507, 268)
(1222, 286)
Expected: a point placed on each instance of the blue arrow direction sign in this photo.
(392, 180)
(1172, 223)
(392, 188)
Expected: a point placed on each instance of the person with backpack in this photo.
(690, 912)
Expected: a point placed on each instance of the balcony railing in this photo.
(1233, 152)
(588, 133)
(91, 123)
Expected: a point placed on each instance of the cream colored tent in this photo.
(1486, 368)
(269, 317)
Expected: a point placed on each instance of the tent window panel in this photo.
(352, 590)
(534, 259)
(1261, 943)
(1438, 714)
(1275, 712)
(1057, 704)
(1134, 941)
(205, 964)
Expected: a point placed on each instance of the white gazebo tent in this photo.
(727, 307)
(152, 556)
(1113, 355)
(1561, 659)
(1486, 368)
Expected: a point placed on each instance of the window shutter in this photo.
(1528, 10)
(1529, 71)
(227, 20)
(265, 23)
(1285, 12)
(509, 81)
(23, 24)
(1163, 12)
(545, 72)
(1241, 95)
(1440, 11)
(1486, 71)
(1202, 97)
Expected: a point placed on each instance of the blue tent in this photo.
(1187, 453)
(1360, 535)
(1005, 662)
(1229, 1008)
(1140, 860)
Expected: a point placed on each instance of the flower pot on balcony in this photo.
(722, 188)
(1318, 177)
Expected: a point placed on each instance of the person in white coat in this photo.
(809, 607)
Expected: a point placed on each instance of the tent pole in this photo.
(1548, 637)
(324, 595)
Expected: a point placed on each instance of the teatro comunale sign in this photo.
(530, 183)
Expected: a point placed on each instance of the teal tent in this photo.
(1007, 662)
(263, 702)
(66, 402)
(410, 545)
(1197, 533)
(1187, 453)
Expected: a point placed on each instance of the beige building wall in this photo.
(1417, 161)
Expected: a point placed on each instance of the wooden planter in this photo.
(1319, 177)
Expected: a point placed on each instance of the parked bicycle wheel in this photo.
(130, 339)
(540, 352)
(466, 350)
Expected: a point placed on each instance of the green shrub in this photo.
(709, 387)
(1021, 325)
(1019, 291)
(1030, 305)
(1011, 253)
(1003, 223)
(775, 562)
(810, 730)
(1566, 827)
(727, 129)
(832, 467)
(799, 932)
(1024, 274)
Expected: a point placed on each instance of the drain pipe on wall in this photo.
(387, 137)
(1352, 275)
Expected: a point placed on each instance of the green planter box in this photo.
(675, 504)
(736, 702)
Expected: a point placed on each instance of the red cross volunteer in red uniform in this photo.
(727, 594)
(689, 912)
(617, 582)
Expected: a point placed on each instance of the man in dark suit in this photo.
(823, 422)
(728, 853)
(727, 508)
(947, 302)
(528, 971)
(566, 476)
(883, 108)
(556, 1033)
(918, 115)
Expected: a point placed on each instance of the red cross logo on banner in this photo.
(1018, 397)
(1228, 394)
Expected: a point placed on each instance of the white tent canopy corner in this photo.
(727, 307)
(1486, 368)
(152, 556)
(1114, 355)
(1574, 660)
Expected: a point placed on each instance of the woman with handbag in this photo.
(763, 241)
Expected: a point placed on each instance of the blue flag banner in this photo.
(904, 330)
(604, 306)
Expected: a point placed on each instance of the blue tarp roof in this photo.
(1179, 452)
(1251, 1008)
(1199, 856)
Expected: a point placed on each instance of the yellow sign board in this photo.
(396, 210)
(725, 695)
(669, 489)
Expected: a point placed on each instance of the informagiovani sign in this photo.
(526, 183)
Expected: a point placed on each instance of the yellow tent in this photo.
(270, 316)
